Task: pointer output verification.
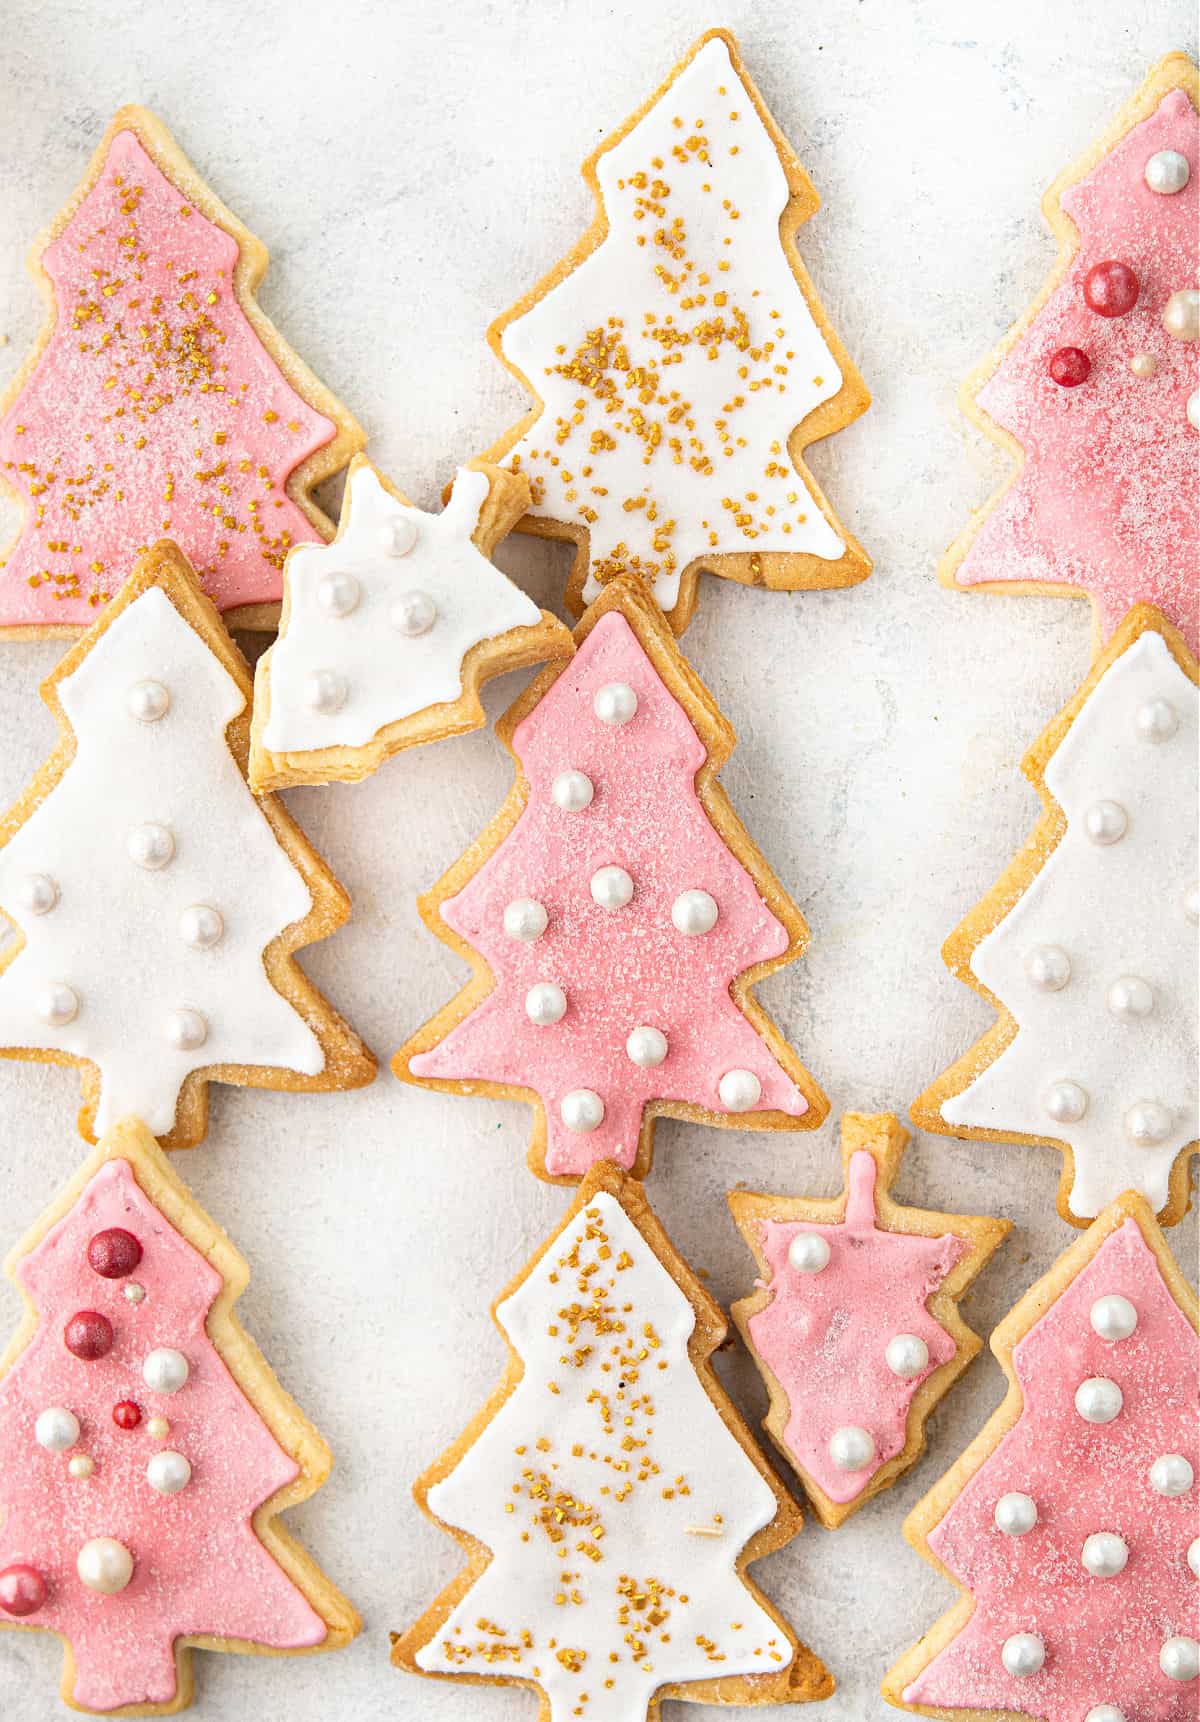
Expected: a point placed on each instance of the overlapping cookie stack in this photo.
(609, 1497)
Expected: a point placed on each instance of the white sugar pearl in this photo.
(148, 701)
(1048, 968)
(56, 1004)
(1104, 1554)
(1023, 1654)
(851, 1448)
(104, 1565)
(1181, 314)
(572, 791)
(545, 1004)
(81, 1467)
(325, 691)
(1104, 1713)
(525, 919)
(612, 887)
(185, 1030)
(1130, 997)
(132, 1292)
(151, 845)
(168, 1472)
(1179, 1659)
(615, 703)
(808, 1253)
(1098, 1400)
(694, 912)
(646, 1046)
(201, 926)
(56, 1429)
(413, 614)
(165, 1371)
(1167, 171)
(582, 1110)
(1147, 1123)
(1113, 1317)
(740, 1090)
(1171, 1474)
(1193, 409)
(1015, 1514)
(37, 893)
(1157, 720)
(907, 1355)
(1193, 1556)
(1106, 822)
(338, 594)
(1065, 1102)
(1143, 366)
(398, 535)
(1191, 903)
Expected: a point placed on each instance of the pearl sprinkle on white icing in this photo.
(56, 1004)
(1106, 822)
(1048, 968)
(148, 701)
(1157, 720)
(38, 893)
(1065, 1102)
(615, 703)
(413, 614)
(1098, 1400)
(151, 845)
(582, 1110)
(398, 535)
(338, 594)
(1130, 997)
(186, 1030)
(1147, 1123)
(325, 691)
(808, 1253)
(694, 912)
(1015, 1514)
(646, 1047)
(201, 926)
(1113, 1317)
(572, 791)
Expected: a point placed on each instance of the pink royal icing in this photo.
(624, 968)
(824, 1336)
(198, 1565)
(1102, 1636)
(154, 411)
(1108, 499)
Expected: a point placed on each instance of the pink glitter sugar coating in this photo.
(198, 1565)
(1108, 499)
(154, 411)
(1102, 1636)
(619, 969)
(824, 1336)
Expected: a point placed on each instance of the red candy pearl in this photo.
(127, 1415)
(1069, 367)
(1111, 288)
(114, 1253)
(22, 1590)
(88, 1335)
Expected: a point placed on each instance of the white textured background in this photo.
(413, 168)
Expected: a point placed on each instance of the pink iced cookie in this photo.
(1071, 1521)
(616, 915)
(159, 401)
(145, 1447)
(1102, 403)
(855, 1324)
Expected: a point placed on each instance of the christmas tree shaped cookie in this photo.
(680, 359)
(1087, 945)
(616, 916)
(1096, 390)
(388, 633)
(146, 1450)
(157, 904)
(855, 1325)
(608, 1497)
(159, 401)
(1070, 1523)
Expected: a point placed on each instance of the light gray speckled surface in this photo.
(413, 169)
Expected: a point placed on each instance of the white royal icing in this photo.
(700, 464)
(113, 936)
(612, 1479)
(1116, 909)
(388, 673)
